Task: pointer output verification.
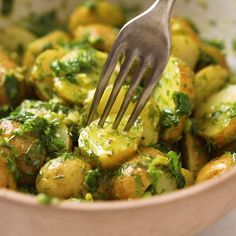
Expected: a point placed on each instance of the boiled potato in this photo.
(216, 167)
(216, 118)
(41, 74)
(21, 36)
(186, 49)
(150, 115)
(195, 155)
(97, 12)
(12, 86)
(39, 45)
(7, 168)
(6, 61)
(30, 154)
(146, 174)
(174, 96)
(107, 147)
(100, 36)
(63, 177)
(208, 81)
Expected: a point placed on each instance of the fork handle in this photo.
(162, 7)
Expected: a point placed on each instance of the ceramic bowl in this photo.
(182, 213)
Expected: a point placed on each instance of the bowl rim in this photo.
(28, 200)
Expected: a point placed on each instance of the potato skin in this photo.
(100, 36)
(30, 154)
(63, 177)
(216, 167)
(102, 12)
(5, 60)
(7, 178)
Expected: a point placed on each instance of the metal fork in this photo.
(145, 39)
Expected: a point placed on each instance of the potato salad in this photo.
(49, 70)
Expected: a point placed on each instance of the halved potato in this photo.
(216, 167)
(39, 45)
(216, 118)
(185, 48)
(174, 96)
(208, 81)
(106, 147)
(41, 74)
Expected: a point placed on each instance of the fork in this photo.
(146, 39)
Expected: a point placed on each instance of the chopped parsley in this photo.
(205, 60)
(183, 104)
(46, 199)
(169, 119)
(217, 43)
(92, 180)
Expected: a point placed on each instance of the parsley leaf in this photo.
(183, 104)
(92, 180)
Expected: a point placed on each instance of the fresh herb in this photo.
(46, 199)
(12, 87)
(7, 7)
(205, 60)
(175, 166)
(90, 4)
(168, 119)
(217, 43)
(92, 180)
(42, 24)
(183, 104)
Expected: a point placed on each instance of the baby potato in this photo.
(20, 36)
(194, 154)
(12, 86)
(39, 45)
(150, 115)
(174, 96)
(6, 61)
(30, 154)
(186, 48)
(106, 147)
(41, 74)
(146, 173)
(7, 178)
(180, 26)
(63, 177)
(97, 12)
(216, 167)
(208, 81)
(100, 36)
(215, 119)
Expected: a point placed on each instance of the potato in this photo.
(146, 174)
(208, 81)
(12, 86)
(7, 165)
(21, 37)
(100, 36)
(107, 147)
(97, 12)
(30, 154)
(39, 45)
(185, 48)
(210, 55)
(63, 177)
(194, 154)
(6, 61)
(216, 167)
(216, 118)
(174, 95)
(150, 115)
(180, 26)
(41, 75)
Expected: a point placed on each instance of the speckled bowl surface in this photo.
(182, 213)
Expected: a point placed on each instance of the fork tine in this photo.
(135, 82)
(125, 69)
(109, 67)
(146, 94)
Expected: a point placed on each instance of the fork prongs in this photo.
(108, 69)
(132, 88)
(146, 94)
(122, 76)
